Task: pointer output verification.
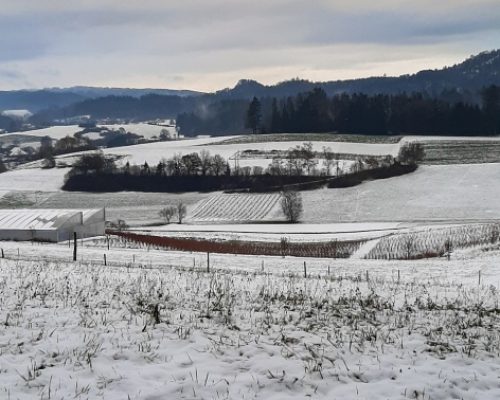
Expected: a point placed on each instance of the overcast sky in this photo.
(211, 44)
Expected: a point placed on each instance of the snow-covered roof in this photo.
(39, 219)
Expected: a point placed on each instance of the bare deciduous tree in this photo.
(494, 234)
(206, 161)
(218, 165)
(448, 248)
(167, 213)
(285, 246)
(291, 204)
(181, 211)
(409, 245)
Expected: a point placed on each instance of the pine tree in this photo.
(275, 118)
(254, 115)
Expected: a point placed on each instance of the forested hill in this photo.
(471, 75)
(459, 83)
(36, 100)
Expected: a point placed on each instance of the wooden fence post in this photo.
(105, 261)
(74, 246)
(3, 256)
(208, 262)
(305, 270)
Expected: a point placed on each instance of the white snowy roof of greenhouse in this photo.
(39, 219)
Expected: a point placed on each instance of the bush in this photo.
(49, 162)
(119, 225)
(95, 162)
(411, 153)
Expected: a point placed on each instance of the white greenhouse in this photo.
(51, 225)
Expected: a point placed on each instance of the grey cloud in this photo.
(139, 40)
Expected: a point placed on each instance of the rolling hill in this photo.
(462, 80)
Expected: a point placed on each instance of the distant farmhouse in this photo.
(51, 225)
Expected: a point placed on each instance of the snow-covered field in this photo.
(238, 207)
(148, 131)
(134, 207)
(55, 132)
(448, 192)
(251, 328)
(27, 179)
(154, 153)
(451, 192)
(155, 324)
(58, 132)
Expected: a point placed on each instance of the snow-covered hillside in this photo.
(462, 192)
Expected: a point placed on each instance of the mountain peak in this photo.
(248, 84)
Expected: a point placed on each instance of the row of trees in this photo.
(191, 164)
(296, 161)
(65, 145)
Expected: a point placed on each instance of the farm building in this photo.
(50, 225)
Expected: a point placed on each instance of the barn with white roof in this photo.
(51, 225)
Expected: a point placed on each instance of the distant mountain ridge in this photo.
(472, 74)
(94, 92)
(468, 76)
(36, 100)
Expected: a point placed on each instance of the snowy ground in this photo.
(153, 153)
(246, 329)
(59, 132)
(25, 179)
(148, 131)
(274, 232)
(134, 207)
(451, 192)
(55, 132)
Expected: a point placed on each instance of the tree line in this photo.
(358, 113)
(204, 172)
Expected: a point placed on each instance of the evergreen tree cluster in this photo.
(384, 114)
(358, 113)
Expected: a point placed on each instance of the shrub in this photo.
(411, 153)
